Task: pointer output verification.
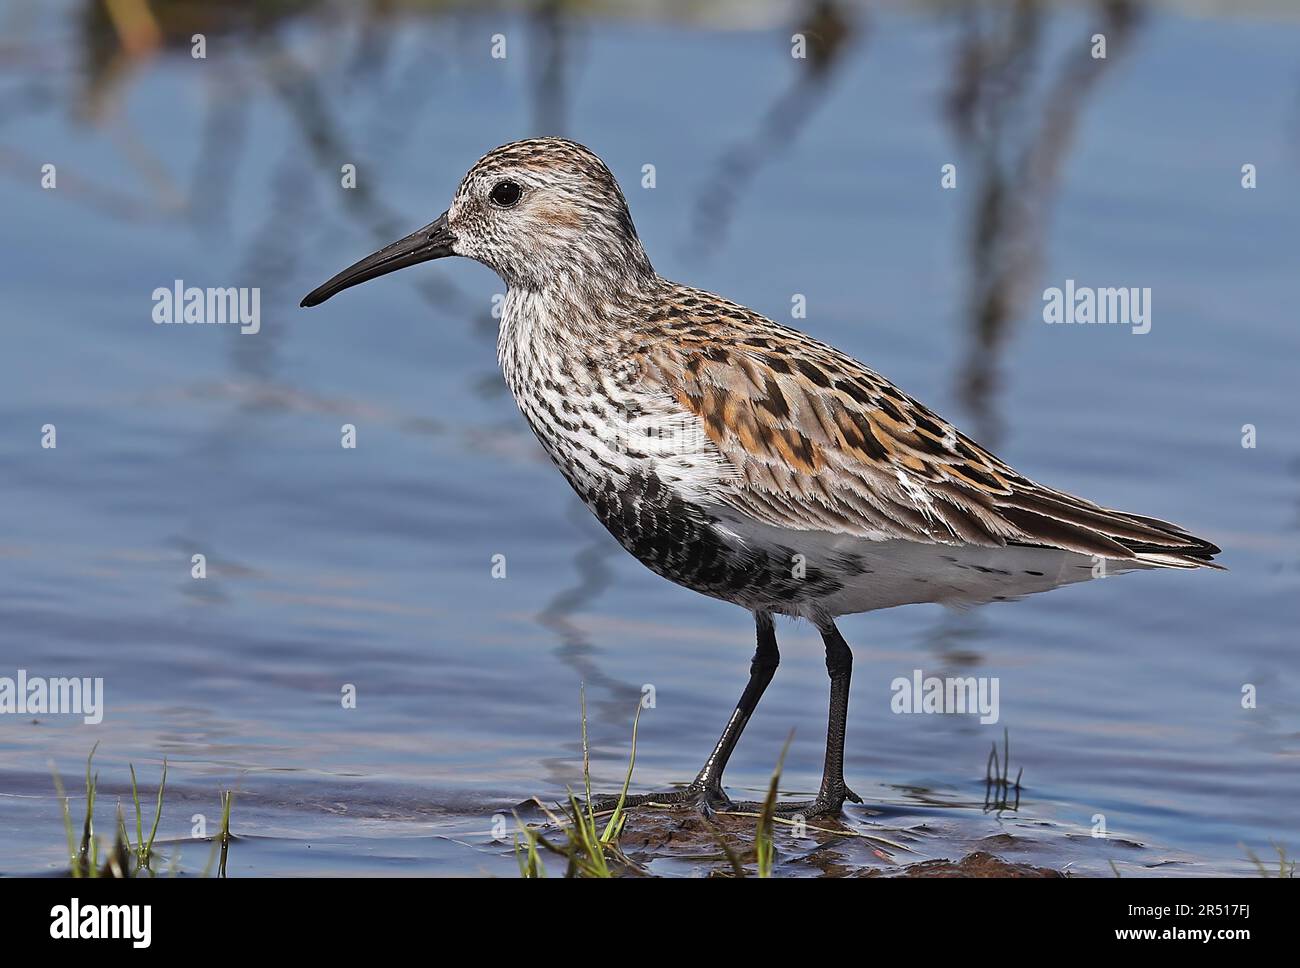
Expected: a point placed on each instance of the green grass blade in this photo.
(74, 864)
(89, 846)
(764, 845)
(139, 818)
(586, 753)
(615, 825)
(157, 817)
(227, 802)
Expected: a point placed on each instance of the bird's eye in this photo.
(505, 193)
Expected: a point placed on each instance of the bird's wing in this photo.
(818, 442)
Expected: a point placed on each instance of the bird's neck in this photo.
(547, 330)
(592, 265)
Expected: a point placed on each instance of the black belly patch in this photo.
(682, 543)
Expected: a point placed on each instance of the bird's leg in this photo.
(839, 665)
(834, 791)
(705, 791)
(761, 669)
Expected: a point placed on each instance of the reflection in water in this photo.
(552, 39)
(1015, 118)
(1017, 145)
(610, 702)
(119, 37)
(827, 29)
(300, 90)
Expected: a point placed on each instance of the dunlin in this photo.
(739, 457)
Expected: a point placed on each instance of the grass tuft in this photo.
(144, 848)
(1285, 866)
(588, 849)
(123, 858)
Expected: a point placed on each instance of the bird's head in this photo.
(541, 213)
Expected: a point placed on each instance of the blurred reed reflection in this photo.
(828, 28)
(1013, 105)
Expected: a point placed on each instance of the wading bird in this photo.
(741, 458)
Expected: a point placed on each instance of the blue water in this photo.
(373, 566)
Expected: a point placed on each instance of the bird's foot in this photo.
(704, 798)
(829, 803)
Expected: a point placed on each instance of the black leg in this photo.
(833, 791)
(839, 664)
(761, 669)
(705, 791)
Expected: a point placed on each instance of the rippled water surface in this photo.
(773, 177)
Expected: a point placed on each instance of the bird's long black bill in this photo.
(434, 241)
